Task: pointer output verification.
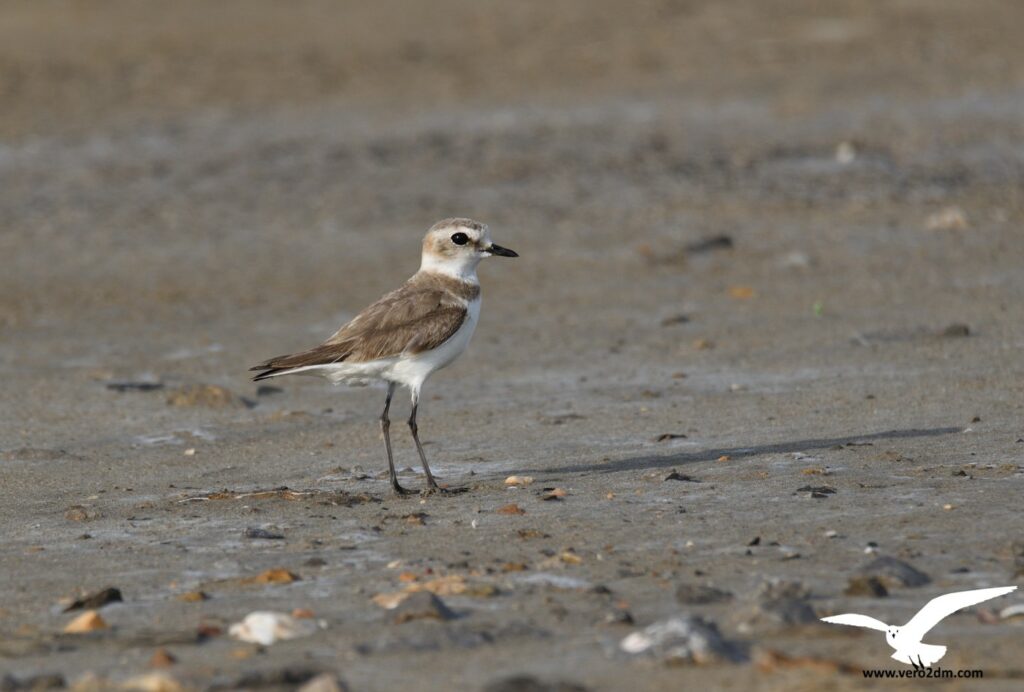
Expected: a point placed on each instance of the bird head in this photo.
(891, 633)
(455, 246)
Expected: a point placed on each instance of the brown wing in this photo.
(412, 319)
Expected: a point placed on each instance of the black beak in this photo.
(501, 251)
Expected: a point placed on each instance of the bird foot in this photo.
(399, 491)
(436, 489)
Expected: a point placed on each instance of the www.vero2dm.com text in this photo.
(936, 673)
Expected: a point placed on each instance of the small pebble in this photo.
(325, 682)
(422, 605)
(846, 153)
(268, 627)
(162, 658)
(947, 219)
(89, 621)
(518, 480)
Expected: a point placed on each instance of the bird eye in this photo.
(460, 238)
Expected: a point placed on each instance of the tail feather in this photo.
(283, 365)
(270, 368)
(921, 654)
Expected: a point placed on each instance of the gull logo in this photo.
(906, 640)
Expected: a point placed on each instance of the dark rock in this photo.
(675, 319)
(665, 437)
(278, 677)
(718, 242)
(893, 572)
(559, 418)
(422, 605)
(676, 476)
(956, 330)
(784, 611)
(866, 586)
(267, 390)
(780, 603)
(527, 683)
(135, 386)
(699, 594)
(96, 600)
(263, 534)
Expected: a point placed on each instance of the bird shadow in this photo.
(652, 461)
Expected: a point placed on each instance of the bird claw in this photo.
(438, 490)
(400, 491)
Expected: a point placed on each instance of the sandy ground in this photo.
(188, 188)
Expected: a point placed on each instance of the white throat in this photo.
(463, 269)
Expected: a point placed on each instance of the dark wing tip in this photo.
(268, 367)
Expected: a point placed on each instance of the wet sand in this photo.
(186, 191)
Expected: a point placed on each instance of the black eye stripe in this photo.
(460, 238)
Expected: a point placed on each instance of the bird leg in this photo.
(385, 427)
(414, 429)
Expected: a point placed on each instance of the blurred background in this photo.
(167, 156)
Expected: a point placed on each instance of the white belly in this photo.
(412, 371)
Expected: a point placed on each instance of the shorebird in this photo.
(906, 640)
(409, 333)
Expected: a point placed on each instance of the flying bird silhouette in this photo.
(906, 640)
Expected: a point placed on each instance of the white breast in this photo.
(412, 371)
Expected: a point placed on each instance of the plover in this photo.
(409, 333)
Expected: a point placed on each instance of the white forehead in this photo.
(476, 231)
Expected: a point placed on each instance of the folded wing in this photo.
(409, 320)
